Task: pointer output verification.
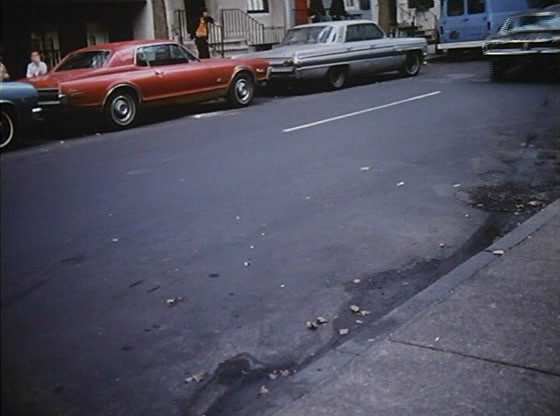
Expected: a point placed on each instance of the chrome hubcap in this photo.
(243, 91)
(123, 109)
(413, 63)
(337, 78)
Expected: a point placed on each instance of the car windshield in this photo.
(534, 22)
(82, 60)
(308, 35)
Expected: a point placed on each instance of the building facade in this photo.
(56, 27)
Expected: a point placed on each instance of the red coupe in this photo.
(121, 78)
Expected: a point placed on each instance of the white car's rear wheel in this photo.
(336, 77)
(412, 64)
(7, 128)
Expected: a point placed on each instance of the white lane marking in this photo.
(357, 113)
(208, 115)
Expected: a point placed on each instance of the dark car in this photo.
(530, 39)
(18, 104)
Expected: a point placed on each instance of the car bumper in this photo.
(527, 60)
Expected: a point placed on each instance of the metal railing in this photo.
(232, 25)
(302, 16)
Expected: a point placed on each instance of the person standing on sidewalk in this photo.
(316, 11)
(200, 33)
(36, 67)
(4, 74)
(337, 10)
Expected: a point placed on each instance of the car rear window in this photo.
(83, 60)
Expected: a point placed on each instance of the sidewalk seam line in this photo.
(488, 360)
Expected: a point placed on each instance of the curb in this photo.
(337, 358)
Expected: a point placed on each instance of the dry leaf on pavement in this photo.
(355, 308)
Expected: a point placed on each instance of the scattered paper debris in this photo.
(311, 325)
(498, 252)
(356, 281)
(246, 263)
(365, 168)
(282, 286)
(174, 301)
(401, 183)
(285, 373)
(437, 339)
(343, 331)
(251, 246)
(321, 321)
(115, 240)
(273, 375)
(442, 245)
(264, 390)
(467, 215)
(359, 321)
(237, 218)
(535, 203)
(365, 313)
(196, 378)
(315, 324)
(355, 308)
(456, 185)
(308, 197)
(262, 234)
(62, 142)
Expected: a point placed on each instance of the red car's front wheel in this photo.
(121, 109)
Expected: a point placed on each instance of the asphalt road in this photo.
(255, 221)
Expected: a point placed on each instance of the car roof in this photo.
(118, 46)
(336, 23)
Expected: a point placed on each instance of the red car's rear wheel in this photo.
(242, 90)
(121, 109)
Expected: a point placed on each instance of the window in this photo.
(257, 6)
(157, 55)
(455, 8)
(357, 33)
(371, 31)
(309, 35)
(476, 6)
(83, 60)
(420, 5)
(353, 33)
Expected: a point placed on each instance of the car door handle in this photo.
(158, 72)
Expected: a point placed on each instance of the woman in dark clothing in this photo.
(337, 10)
(316, 11)
(200, 31)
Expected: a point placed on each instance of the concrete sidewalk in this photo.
(489, 346)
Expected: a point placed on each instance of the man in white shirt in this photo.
(36, 67)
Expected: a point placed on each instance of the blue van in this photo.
(466, 23)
